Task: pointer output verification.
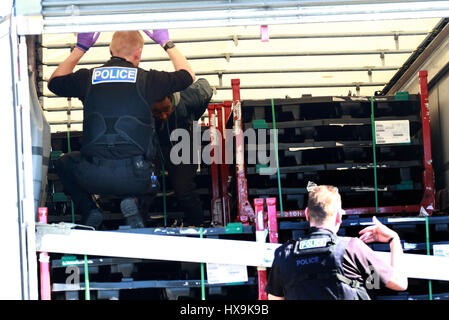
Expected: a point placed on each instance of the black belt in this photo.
(324, 276)
(114, 162)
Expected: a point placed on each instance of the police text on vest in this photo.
(304, 261)
(114, 74)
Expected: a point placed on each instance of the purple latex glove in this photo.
(86, 40)
(159, 36)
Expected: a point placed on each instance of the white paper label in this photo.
(226, 273)
(441, 250)
(392, 131)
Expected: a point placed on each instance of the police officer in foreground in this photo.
(117, 151)
(180, 111)
(324, 266)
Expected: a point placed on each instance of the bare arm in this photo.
(398, 281)
(161, 37)
(179, 61)
(66, 67)
(273, 297)
(381, 233)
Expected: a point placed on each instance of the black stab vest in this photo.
(314, 270)
(118, 122)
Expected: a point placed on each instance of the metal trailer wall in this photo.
(434, 59)
(9, 228)
(18, 269)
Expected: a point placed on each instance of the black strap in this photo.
(83, 47)
(351, 282)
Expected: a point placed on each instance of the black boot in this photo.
(94, 218)
(130, 211)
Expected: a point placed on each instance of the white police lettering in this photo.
(114, 74)
(301, 262)
(312, 243)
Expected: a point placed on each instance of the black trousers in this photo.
(83, 177)
(182, 179)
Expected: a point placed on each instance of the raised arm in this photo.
(177, 58)
(381, 233)
(84, 42)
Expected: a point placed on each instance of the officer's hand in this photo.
(86, 40)
(377, 233)
(159, 36)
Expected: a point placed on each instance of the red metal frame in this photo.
(265, 221)
(428, 200)
(261, 222)
(358, 211)
(216, 206)
(221, 200)
(245, 211)
(272, 220)
(44, 261)
(223, 114)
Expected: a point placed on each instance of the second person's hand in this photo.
(377, 233)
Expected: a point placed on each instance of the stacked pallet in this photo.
(329, 140)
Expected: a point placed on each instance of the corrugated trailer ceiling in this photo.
(321, 59)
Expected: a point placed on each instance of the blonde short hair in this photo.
(324, 202)
(125, 43)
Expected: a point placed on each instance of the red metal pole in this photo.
(216, 205)
(272, 220)
(44, 261)
(428, 200)
(260, 237)
(246, 212)
(223, 116)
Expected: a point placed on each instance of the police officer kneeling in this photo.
(118, 126)
(324, 266)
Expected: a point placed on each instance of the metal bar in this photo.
(293, 86)
(223, 117)
(272, 220)
(229, 55)
(297, 70)
(305, 8)
(380, 188)
(101, 243)
(327, 122)
(216, 205)
(51, 238)
(259, 71)
(129, 285)
(108, 7)
(411, 67)
(25, 160)
(360, 211)
(272, 37)
(260, 238)
(343, 166)
(307, 86)
(356, 222)
(428, 200)
(245, 211)
(79, 19)
(44, 261)
(186, 231)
